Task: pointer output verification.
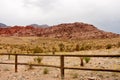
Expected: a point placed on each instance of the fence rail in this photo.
(62, 67)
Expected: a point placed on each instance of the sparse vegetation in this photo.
(61, 46)
(9, 49)
(0, 47)
(45, 71)
(108, 46)
(44, 45)
(30, 65)
(53, 50)
(53, 47)
(98, 47)
(87, 59)
(37, 50)
(38, 59)
(118, 44)
(77, 47)
(75, 75)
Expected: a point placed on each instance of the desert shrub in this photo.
(88, 47)
(6, 69)
(0, 47)
(37, 50)
(82, 48)
(38, 59)
(30, 65)
(61, 47)
(22, 48)
(9, 49)
(77, 48)
(82, 59)
(118, 44)
(45, 71)
(75, 75)
(69, 48)
(28, 50)
(53, 50)
(87, 59)
(108, 46)
(85, 47)
(98, 47)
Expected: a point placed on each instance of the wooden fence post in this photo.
(9, 57)
(16, 62)
(62, 66)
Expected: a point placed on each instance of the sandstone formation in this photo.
(75, 30)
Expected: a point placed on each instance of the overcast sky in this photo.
(104, 14)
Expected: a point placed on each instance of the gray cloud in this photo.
(104, 14)
(44, 5)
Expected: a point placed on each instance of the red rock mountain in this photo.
(75, 30)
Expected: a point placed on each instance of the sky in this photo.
(104, 14)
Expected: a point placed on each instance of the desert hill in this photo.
(36, 25)
(3, 25)
(75, 30)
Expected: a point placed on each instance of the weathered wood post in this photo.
(62, 66)
(82, 63)
(9, 57)
(16, 62)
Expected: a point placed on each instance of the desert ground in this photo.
(47, 73)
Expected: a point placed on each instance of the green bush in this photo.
(87, 59)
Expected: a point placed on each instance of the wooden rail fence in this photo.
(62, 67)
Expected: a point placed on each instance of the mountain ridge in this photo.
(36, 25)
(3, 25)
(77, 30)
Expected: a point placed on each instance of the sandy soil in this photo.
(37, 73)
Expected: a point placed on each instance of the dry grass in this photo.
(44, 45)
(47, 46)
